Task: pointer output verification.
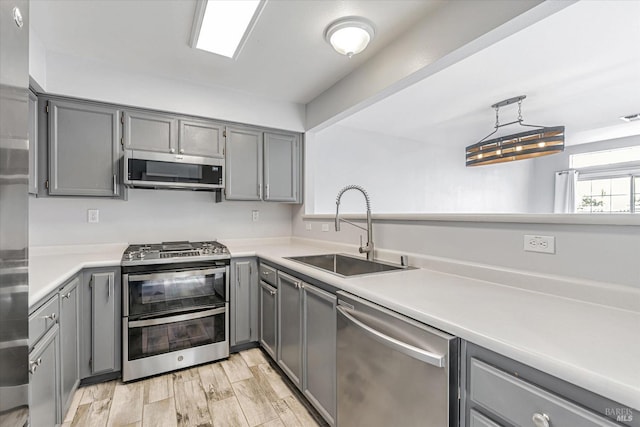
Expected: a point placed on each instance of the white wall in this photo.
(594, 252)
(152, 216)
(405, 176)
(85, 78)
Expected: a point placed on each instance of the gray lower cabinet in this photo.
(84, 146)
(499, 391)
(44, 409)
(281, 167)
(69, 344)
(290, 327)
(100, 322)
(319, 354)
(201, 138)
(243, 164)
(150, 131)
(268, 335)
(243, 325)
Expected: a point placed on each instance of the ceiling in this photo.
(285, 58)
(579, 67)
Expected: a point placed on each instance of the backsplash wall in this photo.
(152, 216)
(604, 253)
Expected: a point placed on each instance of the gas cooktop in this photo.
(170, 252)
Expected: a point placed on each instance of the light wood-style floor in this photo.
(241, 391)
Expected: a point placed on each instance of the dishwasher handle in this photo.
(404, 348)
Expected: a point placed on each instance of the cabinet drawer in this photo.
(479, 420)
(268, 274)
(43, 319)
(518, 401)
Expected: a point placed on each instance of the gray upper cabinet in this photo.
(244, 304)
(290, 327)
(319, 353)
(150, 132)
(33, 143)
(101, 333)
(243, 164)
(281, 167)
(201, 138)
(69, 345)
(83, 149)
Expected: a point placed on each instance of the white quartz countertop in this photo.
(590, 345)
(51, 266)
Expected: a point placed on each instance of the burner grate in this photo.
(178, 254)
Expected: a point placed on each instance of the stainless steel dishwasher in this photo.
(392, 370)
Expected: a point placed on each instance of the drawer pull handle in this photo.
(540, 420)
(272, 293)
(52, 316)
(266, 273)
(67, 295)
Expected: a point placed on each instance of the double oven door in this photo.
(174, 316)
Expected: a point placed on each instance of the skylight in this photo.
(224, 25)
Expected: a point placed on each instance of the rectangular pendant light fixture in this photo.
(223, 26)
(537, 142)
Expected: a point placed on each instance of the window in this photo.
(608, 194)
(606, 157)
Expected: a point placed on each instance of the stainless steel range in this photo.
(175, 306)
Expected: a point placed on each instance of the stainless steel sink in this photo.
(345, 265)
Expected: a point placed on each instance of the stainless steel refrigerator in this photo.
(14, 242)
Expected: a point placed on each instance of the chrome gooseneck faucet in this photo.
(368, 248)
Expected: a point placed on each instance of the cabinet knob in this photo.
(272, 293)
(39, 361)
(67, 295)
(33, 367)
(540, 420)
(52, 316)
(182, 151)
(172, 150)
(266, 273)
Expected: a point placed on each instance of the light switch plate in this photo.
(307, 226)
(544, 244)
(325, 227)
(93, 216)
(255, 216)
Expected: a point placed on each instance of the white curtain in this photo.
(565, 195)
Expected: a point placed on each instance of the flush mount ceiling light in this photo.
(524, 145)
(349, 36)
(223, 26)
(631, 117)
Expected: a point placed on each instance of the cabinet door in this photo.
(83, 149)
(244, 164)
(201, 138)
(33, 143)
(104, 340)
(268, 318)
(69, 347)
(281, 167)
(150, 132)
(241, 300)
(320, 350)
(290, 327)
(43, 381)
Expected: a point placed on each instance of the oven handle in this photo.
(176, 274)
(179, 318)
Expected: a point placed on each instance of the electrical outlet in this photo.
(93, 216)
(255, 215)
(544, 244)
(325, 227)
(307, 226)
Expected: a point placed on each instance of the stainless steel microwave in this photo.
(176, 171)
